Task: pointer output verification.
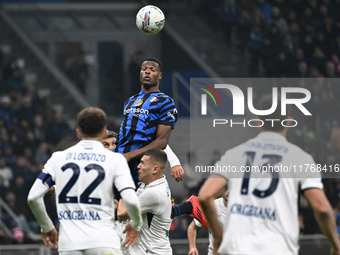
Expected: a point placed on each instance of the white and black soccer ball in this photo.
(150, 20)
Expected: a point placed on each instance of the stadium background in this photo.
(57, 57)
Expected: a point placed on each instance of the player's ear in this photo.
(156, 169)
(105, 134)
(160, 75)
(79, 135)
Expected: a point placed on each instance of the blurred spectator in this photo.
(6, 112)
(26, 111)
(229, 13)
(302, 71)
(278, 20)
(57, 129)
(42, 154)
(3, 131)
(265, 7)
(6, 172)
(39, 129)
(330, 70)
(13, 77)
(254, 45)
(318, 59)
(79, 71)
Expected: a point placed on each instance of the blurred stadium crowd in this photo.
(292, 38)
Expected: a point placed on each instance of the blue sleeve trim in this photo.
(46, 178)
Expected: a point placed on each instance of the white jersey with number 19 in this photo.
(263, 210)
(84, 175)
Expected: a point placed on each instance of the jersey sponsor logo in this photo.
(78, 215)
(171, 115)
(136, 111)
(265, 213)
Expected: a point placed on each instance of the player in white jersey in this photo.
(263, 211)
(84, 175)
(109, 143)
(155, 199)
(222, 214)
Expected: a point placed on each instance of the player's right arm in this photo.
(162, 137)
(325, 217)
(192, 239)
(213, 188)
(35, 201)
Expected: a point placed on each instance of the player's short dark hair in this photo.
(157, 156)
(266, 103)
(91, 121)
(157, 61)
(111, 134)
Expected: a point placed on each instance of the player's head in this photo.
(150, 73)
(265, 103)
(152, 165)
(91, 123)
(109, 141)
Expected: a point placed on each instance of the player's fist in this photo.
(193, 251)
(177, 172)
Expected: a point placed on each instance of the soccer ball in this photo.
(150, 20)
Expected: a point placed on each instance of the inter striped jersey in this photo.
(142, 114)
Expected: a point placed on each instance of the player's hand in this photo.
(131, 236)
(177, 172)
(193, 251)
(50, 238)
(51, 191)
(116, 204)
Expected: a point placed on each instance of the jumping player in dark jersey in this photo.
(148, 118)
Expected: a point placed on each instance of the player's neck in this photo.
(154, 178)
(99, 139)
(150, 89)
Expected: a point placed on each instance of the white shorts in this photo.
(95, 251)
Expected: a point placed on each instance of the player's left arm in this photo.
(325, 216)
(213, 188)
(162, 138)
(176, 169)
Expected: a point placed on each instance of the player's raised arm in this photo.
(176, 169)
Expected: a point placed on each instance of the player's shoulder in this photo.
(163, 96)
(132, 97)
(113, 155)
